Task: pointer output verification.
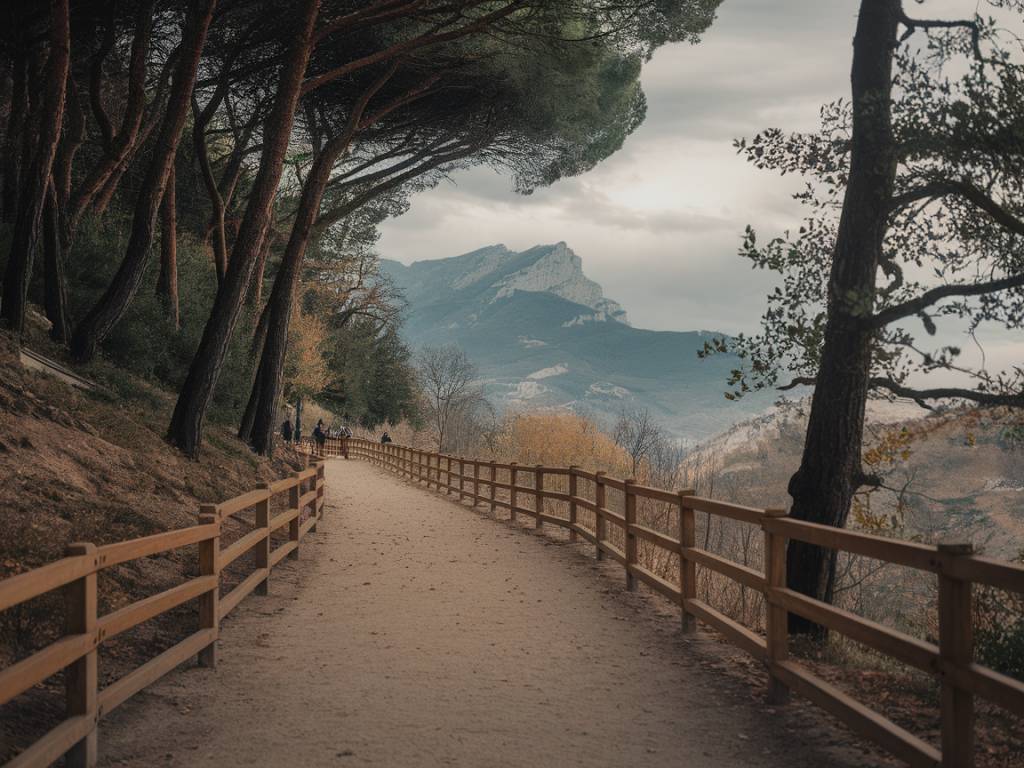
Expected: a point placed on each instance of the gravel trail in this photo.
(418, 632)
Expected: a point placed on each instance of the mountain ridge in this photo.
(544, 335)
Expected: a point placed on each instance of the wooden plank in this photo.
(115, 694)
(557, 496)
(283, 519)
(613, 482)
(58, 740)
(610, 549)
(585, 475)
(230, 601)
(986, 570)
(238, 548)
(307, 498)
(657, 494)
(305, 527)
(25, 586)
(21, 676)
(118, 621)
(1002, 690)
(776, 616)
(246, 500)
(631, 546)
(687, 567)
(123, 551)
(81, 678)
(586, 504)
(905, 553)
(282, 485)
(721, 509)
(209, 604)
(559, 521)
(733, 631)
(889, 642)
(586, 533)
(653, 536)
(607, 514)
(956, 648)
(655, 582)
(281, 552)
(748, 577)
(573, 509)
(856, 716)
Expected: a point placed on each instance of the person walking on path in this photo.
(385, 439)
(286, 431)
(320, 437)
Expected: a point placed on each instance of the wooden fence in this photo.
(76, 652)
(955, 566)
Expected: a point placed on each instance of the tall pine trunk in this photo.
(33, 186)
(54, 278)
(115, 300)
(185, 429)
(17, 117)
(167, 282)
(270, 373)
(830, 470)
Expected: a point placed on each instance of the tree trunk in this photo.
(185, 429)
(167, 283)
(117, 149)
(830, 470)
(115, 300)
(34, 185)
(55, 281)
(16, 119)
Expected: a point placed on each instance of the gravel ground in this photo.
(416, 632)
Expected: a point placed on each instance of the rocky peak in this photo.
(557, 269)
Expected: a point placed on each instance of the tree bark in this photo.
(117, 148)
(34, 186)
(115, 300)
(185, 429)
(16, 119)
(55, 280)
(167, 283)
(830, 470)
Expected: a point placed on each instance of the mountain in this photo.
(545, 335)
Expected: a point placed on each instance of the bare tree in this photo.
(446, 377)
(637, 433)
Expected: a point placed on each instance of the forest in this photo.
(192, 191)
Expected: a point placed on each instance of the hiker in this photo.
(346, 433)
(286, 431)
(320, 437)
(385, 438)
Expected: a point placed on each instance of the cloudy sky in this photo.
(659, 223)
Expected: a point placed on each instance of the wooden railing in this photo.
(76, 652)
(955, 566)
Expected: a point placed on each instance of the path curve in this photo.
(418, 632)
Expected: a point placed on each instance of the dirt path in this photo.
(416, 632)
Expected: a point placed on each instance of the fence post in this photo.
(687, 568)
(600, 524)
(538, 495)
(293, 505)
(631, 558)
(494, 479)
(476, 482)
(262, 550)
(321, 492)
(572, 502)
(513, 476)
(209, 565)
(448, 476)
(776, 617)
(956, 649)
(81, 681)
(462, 478)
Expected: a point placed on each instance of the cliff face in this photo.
(494, 273)
(544, 335)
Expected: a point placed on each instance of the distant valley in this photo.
(545, 336)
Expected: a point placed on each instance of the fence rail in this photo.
(76, 653)
(956, 567)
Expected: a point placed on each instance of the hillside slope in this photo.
(544, 335)
(94, 467)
